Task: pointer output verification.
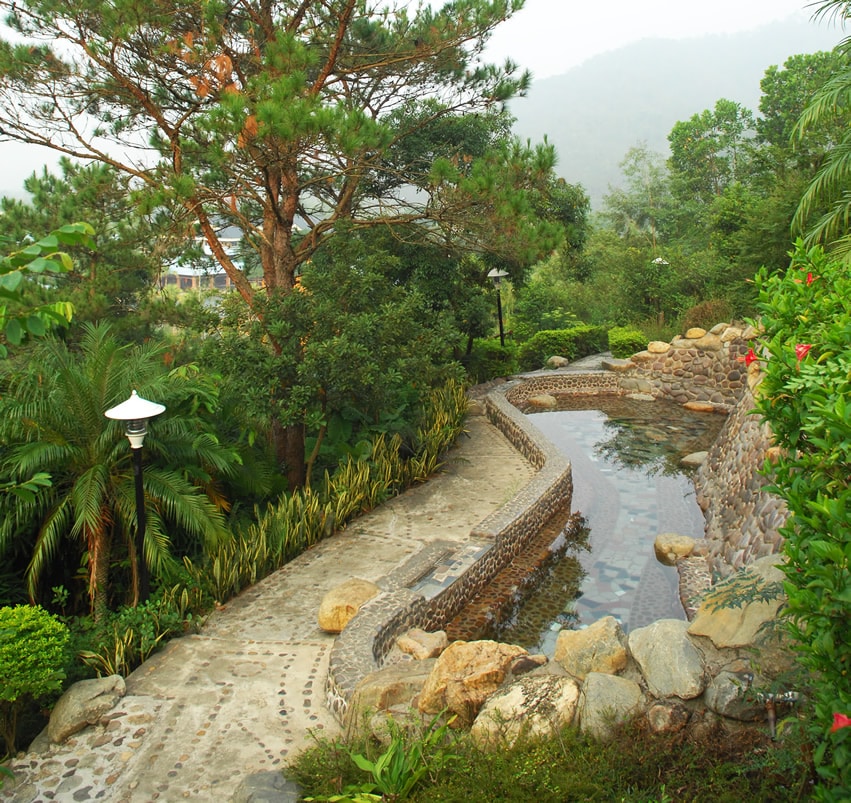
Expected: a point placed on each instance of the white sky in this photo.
(548, 37)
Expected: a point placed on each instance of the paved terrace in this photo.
(248, 691)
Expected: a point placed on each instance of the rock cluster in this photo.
(677, 675)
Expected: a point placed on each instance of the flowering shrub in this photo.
(805, 395)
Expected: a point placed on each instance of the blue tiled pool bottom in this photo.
(628, 487)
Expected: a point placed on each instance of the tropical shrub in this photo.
(707, 313)
(488, 360)
(624, 341)
(805, 395)
(52, 423)
(33, 647)
(579, 341)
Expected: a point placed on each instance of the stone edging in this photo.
(362, 646)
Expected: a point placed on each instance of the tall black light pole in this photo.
(497, 276)
(135, 412)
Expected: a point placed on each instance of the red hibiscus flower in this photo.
(801, 350)
(840, 721)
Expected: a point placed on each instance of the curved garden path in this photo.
(247, 691)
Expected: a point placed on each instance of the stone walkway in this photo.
(248, 691)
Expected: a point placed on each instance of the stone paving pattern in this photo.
(245, 693)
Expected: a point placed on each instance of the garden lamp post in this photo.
(497, 275)
(135, 412)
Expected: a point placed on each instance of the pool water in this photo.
(628, 488)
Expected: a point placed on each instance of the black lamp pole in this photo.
(135, 413)
(497, 276)
(142, 568)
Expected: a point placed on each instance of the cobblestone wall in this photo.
(742, 519)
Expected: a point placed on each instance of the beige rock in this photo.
(465, 675)
(600, 647)
(379, 691)
(533, 708)
(737, 624)
(557, 362)
(607, 700)
(700, 407)
(84, 703)
(617, 365)
(729, 334)
(543, 400)
(720, 328)
(643, 356)
(340, 604)
(695, 333)
(671, 547)
(708, 342)
(421, 645)
(694, 459)
(658, 347)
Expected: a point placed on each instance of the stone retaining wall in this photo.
(368, 638)
(742, 521)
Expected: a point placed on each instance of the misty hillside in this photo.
(595, 112)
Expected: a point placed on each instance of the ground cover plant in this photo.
(635, 766)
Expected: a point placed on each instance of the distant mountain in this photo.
(595, 112)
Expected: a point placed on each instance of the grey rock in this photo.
(266, 787)
(607, 700)
(84, 704)
(669, 662)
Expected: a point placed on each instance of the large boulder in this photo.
(671, 665)
(728, 618)
(84, 704)
(531, 707)
(607, 700)
(600, 647)
(396, 684)
(465, 675)
(340, 604)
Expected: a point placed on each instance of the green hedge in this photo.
(624, 341)
(489, 359)
(574, 343)
(33, 646)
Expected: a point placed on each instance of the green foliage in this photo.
(624, 341)
(122, 640)
(804, 396)
(578, 341)
(40, 258)
(542, 304)
(488, 360)
(33, 644)
(636, 766)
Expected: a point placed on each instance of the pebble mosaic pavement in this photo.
(245, 693)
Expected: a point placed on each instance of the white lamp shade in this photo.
(135, 409)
